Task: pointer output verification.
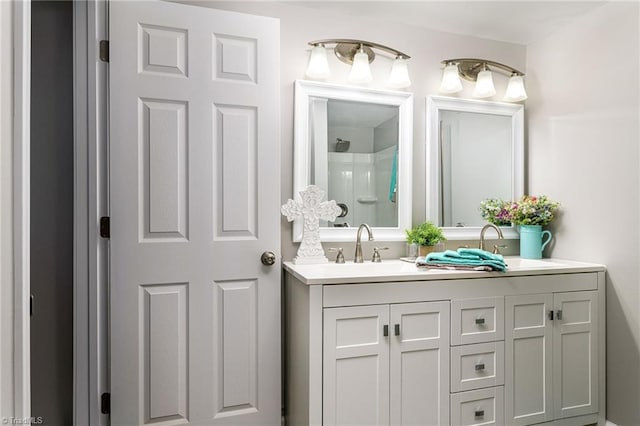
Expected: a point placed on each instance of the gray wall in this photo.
(584, 138)
(52, 212)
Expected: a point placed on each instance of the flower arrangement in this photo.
(528, 210)
(426, 234)
(531, 210)
(496, 211)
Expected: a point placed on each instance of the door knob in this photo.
(268, 258)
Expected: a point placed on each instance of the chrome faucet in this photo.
(484, 229)
(358, 256)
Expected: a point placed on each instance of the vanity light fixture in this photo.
(318, 67)
(360, 71)
(480, 71)
(484, 84)
(359, 54)
(451, 82)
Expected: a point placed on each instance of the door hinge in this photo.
(104, 50)
(105, 403)
(105, 227)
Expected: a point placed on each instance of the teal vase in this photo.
(531, 244)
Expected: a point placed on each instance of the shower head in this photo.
(342, 145)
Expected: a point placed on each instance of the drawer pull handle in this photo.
(559, 315)
(385, 330)
(480, 367)
(396, 329)
(480, 321)
(479, 413)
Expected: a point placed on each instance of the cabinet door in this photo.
(528, 334)
(356, 366)
(575, 354)
(419, 367)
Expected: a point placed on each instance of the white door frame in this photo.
(91, 201)
(21, 207)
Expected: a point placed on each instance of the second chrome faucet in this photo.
(357, 258)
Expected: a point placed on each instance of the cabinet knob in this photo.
(480, 321)
(479, 413)
(480, 366)
(396, 329)
(385, 330)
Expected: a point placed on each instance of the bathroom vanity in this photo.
(390, 344)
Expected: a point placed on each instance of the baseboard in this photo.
(608, 423)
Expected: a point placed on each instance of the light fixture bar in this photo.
(348, 58)
(469, 68)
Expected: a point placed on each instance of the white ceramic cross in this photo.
(312, 209)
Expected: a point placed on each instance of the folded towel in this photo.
(464, 257)
(481, 253)
(456, 267)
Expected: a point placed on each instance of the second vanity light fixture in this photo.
(359, 54)
(479, 70)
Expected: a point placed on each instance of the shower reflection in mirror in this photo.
(360, 141)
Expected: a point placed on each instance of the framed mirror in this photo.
(355, 143)
(475, 151)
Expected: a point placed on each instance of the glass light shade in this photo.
(484, 85)
(318, 67)
(450, 79)
(515, 89)
(360, 71)
(399, 76)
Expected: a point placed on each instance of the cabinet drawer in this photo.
(477, 366)
(478, 407)
(477, 320)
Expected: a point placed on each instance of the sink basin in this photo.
(514, 262)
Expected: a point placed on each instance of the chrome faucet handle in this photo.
(496, 248)
(339, 256)
(376, 254)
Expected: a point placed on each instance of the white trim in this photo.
(608, 423)
(21, 206)
(91, 367)
(6, 210)
(302, 157)
(434, 104)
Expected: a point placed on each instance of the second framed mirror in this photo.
(475, 151)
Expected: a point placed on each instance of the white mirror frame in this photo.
(304, 90)
(436, 104)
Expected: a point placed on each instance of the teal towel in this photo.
(467, 257)
(394, 177)
(482, 253)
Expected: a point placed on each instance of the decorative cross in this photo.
(312, 209)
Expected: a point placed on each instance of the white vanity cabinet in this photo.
(393, 345)
(552, 356)
(386, 364)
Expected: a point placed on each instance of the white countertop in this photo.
(398, 270)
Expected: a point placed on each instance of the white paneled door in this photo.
(194, 187)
